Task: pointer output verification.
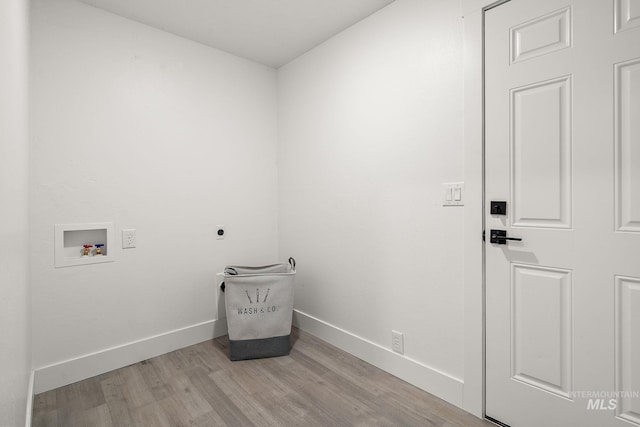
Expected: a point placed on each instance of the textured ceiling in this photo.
(272, 32)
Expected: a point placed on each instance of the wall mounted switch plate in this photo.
(453, 194)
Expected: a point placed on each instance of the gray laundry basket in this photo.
(259, 305)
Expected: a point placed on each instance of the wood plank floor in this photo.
(317, 385)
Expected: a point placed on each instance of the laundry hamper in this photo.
(259, 305)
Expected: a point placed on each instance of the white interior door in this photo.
(562, 123)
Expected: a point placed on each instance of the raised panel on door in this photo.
(541, 154)
(627, 134)
(541, 327)
(541, 36)
(628, 348)
(627, 14)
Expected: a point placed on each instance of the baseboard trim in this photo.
(30, 394)
(412, 371)
(429, 379)
(89, 365)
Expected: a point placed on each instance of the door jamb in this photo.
(474, 262)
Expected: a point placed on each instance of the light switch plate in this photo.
(453, 194)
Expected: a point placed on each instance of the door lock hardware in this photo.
(498, 207)
(500, 237)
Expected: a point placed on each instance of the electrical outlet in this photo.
(397, 342)
(220, 232)
(128, 238)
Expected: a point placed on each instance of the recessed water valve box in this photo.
(82, 244)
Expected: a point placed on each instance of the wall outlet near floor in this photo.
(397, 342)
(128, 239)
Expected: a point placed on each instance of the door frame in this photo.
(474, 262)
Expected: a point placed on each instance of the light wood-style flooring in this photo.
(317, 385)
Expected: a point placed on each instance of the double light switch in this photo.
(453, 194)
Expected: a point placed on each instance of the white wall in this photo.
(153, 132)
(15, 352)
(371, 124)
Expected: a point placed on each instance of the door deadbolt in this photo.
(498, 207)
